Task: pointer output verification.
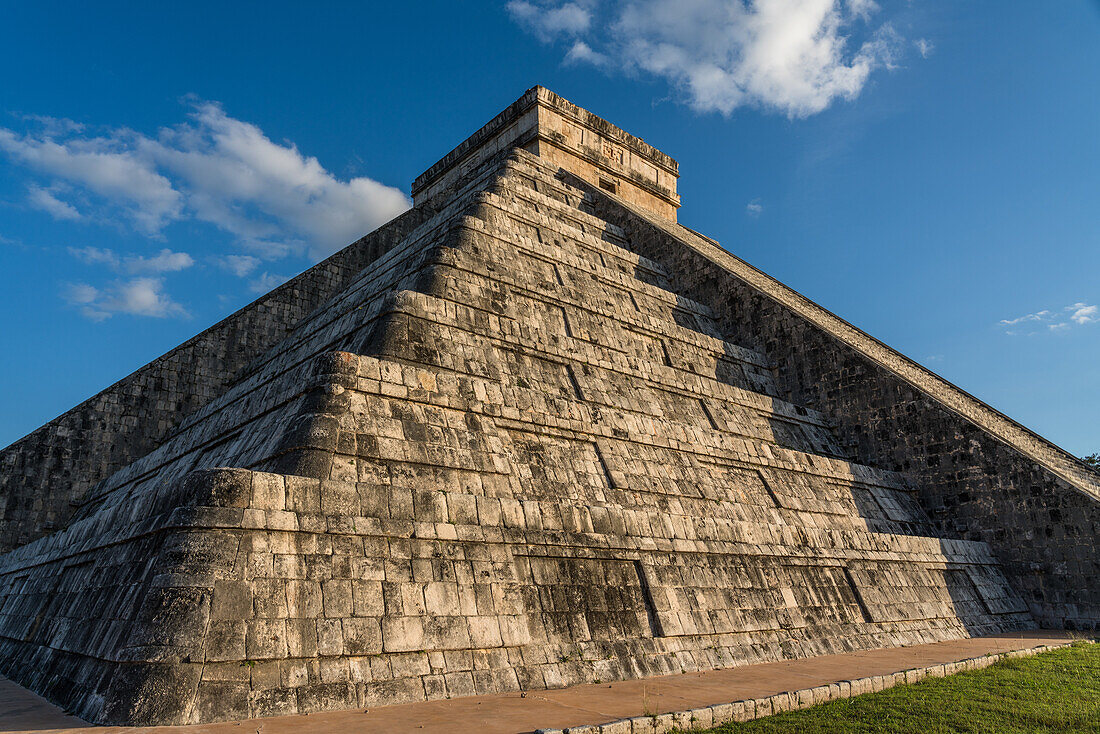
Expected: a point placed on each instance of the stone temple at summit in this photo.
(531, 433)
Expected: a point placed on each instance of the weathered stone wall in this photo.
(248, 594)
(980, 475)
(43, 475)
(540, 466)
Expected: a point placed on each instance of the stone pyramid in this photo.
(532, 433)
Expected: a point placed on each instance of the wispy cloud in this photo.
(754, 208)
(165, 261)
(137, 297)
(924, 47)
(44, 199)
(550, 21)
(1076, 314)
(239, 265)
(1082, 313)
(582, 53)
(1026, 318)
(268, 195)
(273, 200)
(96, 256)
(792, 56)
(213, 168)
(106, 166)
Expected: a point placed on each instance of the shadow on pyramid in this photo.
(530, 434)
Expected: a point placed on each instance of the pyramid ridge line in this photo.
(288, 285)
(446, 219)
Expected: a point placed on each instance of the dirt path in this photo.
(23, 711)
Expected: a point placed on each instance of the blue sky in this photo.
(929, 172)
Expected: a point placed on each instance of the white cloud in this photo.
(107, 166)
(754, 208)
(239, 265)
(924, 47)
(1037, 316)
(45, 200)
(216, 169)
(268, 195)
(582, 53)
(80, 293)
(1079, 313)
(96, 256)
(54, 125)
(792, 56)
(165, 261)
(1083, 313)
(548, 20)
(266, 282)
(862, 8)
(137, 297)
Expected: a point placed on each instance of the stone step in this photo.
(454, 315)
(587, 242)
(646, 322)
(555, 190)
(541, 198)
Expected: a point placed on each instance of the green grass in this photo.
(1057, 691)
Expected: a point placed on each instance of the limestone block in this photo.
(231, 600)
(484, 632)
(301, 637)
(219, 700)
(702, 718)
(268, 492)
(272, 702)
(400, 634)
(330, 637)
(337, 597)
(225, 640)
(265, 639)
(367, 600)
(664, 723)
(325, 696)
(362, 636)
(334, 670)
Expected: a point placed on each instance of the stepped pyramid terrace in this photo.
(531, 433)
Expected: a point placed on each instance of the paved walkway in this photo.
(23, 711)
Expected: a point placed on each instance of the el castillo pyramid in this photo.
(531, 433)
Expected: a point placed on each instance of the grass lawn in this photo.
(1058, 691)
